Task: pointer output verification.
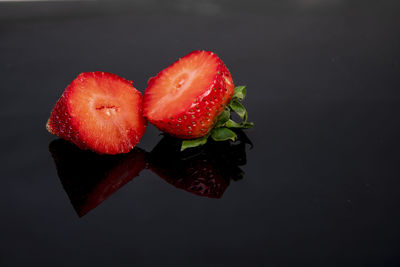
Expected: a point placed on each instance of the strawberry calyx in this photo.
(224, 127)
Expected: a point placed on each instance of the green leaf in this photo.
(240, 92)
(239, 109)
(244, 125)
(194, 142)
(247, 125)
(222, 134)
(223, 117)
(233, 124)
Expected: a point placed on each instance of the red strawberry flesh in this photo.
(185, 98)
(101, 112)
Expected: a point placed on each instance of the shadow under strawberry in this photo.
(205, 171)
(89, 178)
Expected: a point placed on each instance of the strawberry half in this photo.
(185, 99)
(99, 111)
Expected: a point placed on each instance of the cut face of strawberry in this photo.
(101, 112)
(185, 98)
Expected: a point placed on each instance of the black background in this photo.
(321, 185)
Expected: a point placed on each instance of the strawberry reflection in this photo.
(89, 178)
(205, 171)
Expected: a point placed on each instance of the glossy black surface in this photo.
(320, 186)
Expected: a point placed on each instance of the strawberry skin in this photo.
(99, 111)
(185, 99)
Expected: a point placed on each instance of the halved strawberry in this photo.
(101, 112)
(185, 99)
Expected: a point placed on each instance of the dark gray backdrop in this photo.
(321, 185)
